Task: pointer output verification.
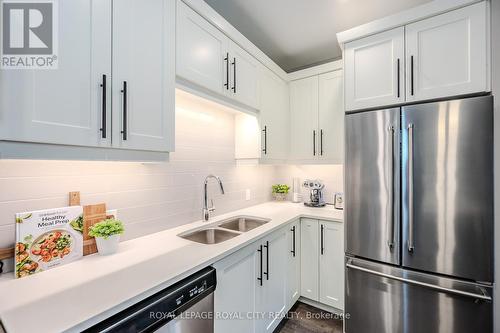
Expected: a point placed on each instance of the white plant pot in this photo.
(107, 246)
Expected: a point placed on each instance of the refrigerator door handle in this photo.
(390, 242)
(411, 245)
(483, 296)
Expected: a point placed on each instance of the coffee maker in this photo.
(315, 193)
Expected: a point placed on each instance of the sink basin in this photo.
(210, 236)
(242, 224)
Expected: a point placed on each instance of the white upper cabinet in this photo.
(374, 70)
(442, 56)
(209, 59)
(144, 74)
(274, 116)
(304, 118)
(64, 105)
(202, 51)
(243, 76)
(317, 119)
(446, 55)
(331, 117)
(114, 86)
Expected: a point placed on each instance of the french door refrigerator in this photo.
(419, 218)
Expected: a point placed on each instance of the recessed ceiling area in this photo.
(300, 33)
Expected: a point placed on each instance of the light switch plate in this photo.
(248, 194)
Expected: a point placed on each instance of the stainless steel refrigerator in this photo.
(419, 218)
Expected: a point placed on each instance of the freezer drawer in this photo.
(387, 299)
(372, 185)
(448, 188)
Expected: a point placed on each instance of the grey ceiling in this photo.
(301, 33)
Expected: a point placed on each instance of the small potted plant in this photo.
(280, 192)
(107, 235)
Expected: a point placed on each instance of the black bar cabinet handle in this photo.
(260, 277)
(124, 92)
(293, 241)
(314, 142)
(266, 273)
(234, 75)
(322, 247)
(104, 118)
(412, 75)
(226, 59)
(399, 79)
(264, 150)
(321, 142)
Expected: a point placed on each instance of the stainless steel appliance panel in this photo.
(386, 299)
(196, 319)
(447, 185)
(372, 185)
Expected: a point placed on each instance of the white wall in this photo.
(149, 197)
(496, 93)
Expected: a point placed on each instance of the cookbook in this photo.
(48, 238)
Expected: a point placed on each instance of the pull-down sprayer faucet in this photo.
(207, 210)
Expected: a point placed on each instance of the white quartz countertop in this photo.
(75, 296)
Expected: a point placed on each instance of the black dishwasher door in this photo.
(185, 307)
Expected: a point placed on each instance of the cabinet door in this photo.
(309, 244)
(331, 264)
(374, 70)
(446, 54)
(144, 74)
(304, 118)
(274, 115)
(64, 105)
(243, 76)
(272, 298)
(201, 51)
(331, 117)
(294, 255)
(236, 291)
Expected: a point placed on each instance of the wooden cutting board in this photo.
(91, 215)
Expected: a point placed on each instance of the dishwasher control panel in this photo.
(158, 309)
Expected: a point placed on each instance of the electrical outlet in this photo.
(248, 194)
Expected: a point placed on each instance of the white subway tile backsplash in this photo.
(151, 197)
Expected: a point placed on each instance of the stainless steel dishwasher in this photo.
(185, 307)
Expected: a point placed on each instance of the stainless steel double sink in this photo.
(224, 230)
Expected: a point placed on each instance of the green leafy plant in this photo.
(107, 228)
(281, 188)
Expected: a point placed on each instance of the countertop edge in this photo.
(9, 315)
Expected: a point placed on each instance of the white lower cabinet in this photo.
(251, 286)
(322, 271)
(293, 268)
(271, 296)
(309, 245)
(258, 284)
(331, 265)
(236, 292)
